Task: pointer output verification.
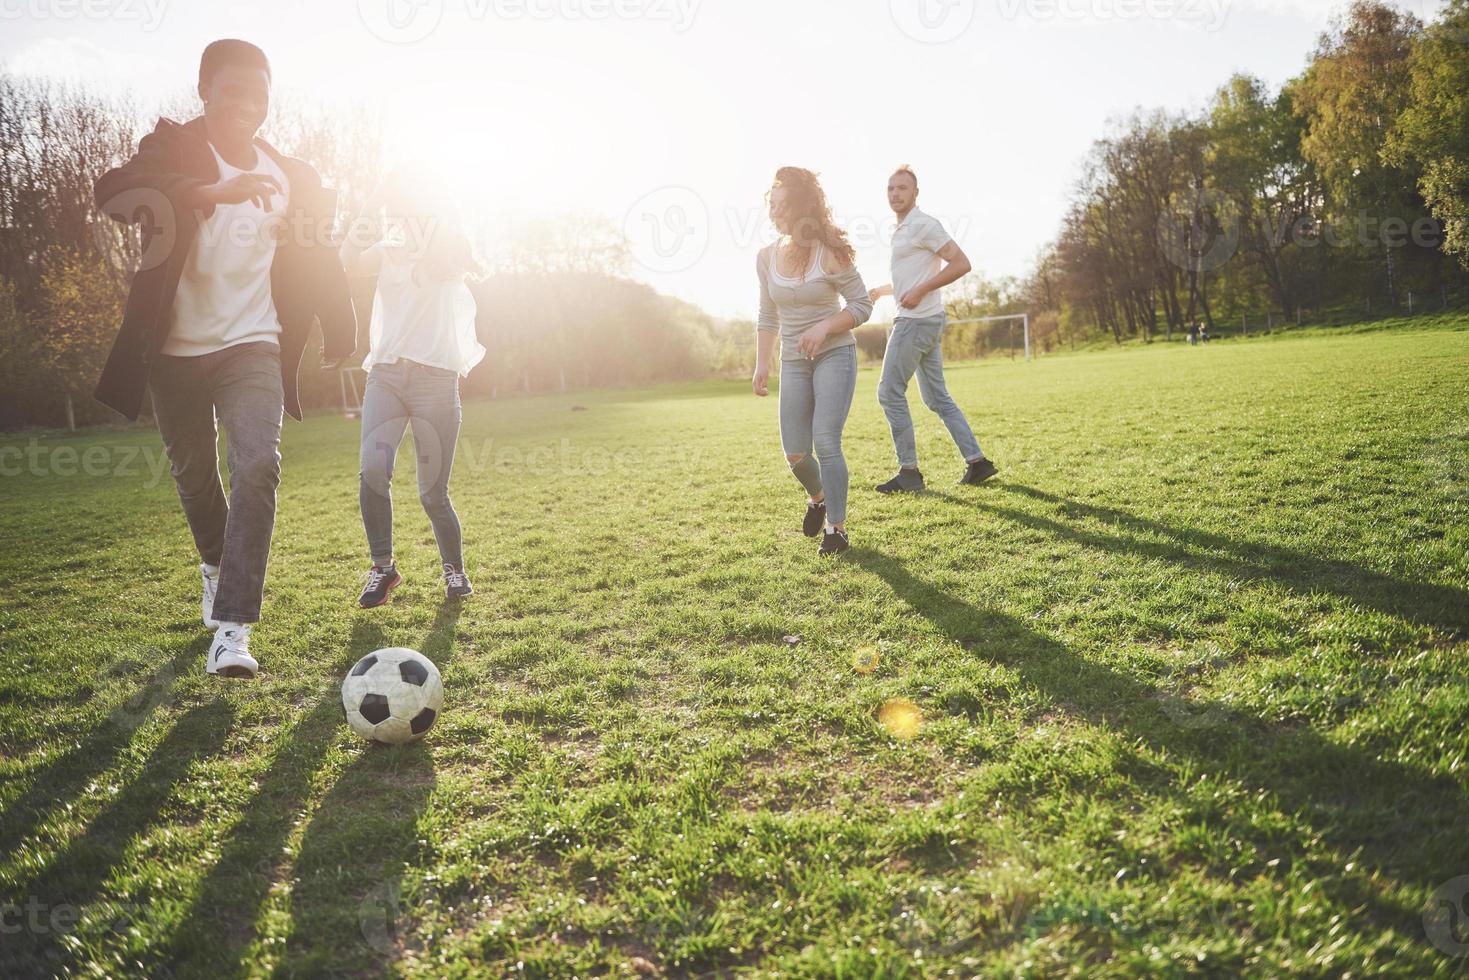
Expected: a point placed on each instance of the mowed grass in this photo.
(1192, 677)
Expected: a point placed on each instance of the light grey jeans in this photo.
(917, 346)
(815, 397)
(400, 394)
(239, 388)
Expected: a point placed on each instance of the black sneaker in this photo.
(456, 583)
(834, 543)
(815, 519)
(380, 581)
(907, 481)
(979, 471)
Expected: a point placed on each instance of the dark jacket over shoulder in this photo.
(306, 278)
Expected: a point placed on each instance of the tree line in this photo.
(557, 309)
(1343, 192)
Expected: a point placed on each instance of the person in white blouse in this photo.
(422, 342)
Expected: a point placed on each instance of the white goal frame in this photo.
(1024, 317)
(351, 396)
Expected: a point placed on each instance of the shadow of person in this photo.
(1439, 606)
(213, 938)
(220, 924)
(75, 876)
(1341, 792)
(62, 781)
(352, 877)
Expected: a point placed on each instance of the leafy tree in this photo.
(1433, 131)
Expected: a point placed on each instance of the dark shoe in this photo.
(907, 481)
(456, 583)
(834, 543)
(380, 581)
(978, 471)
(815, 519)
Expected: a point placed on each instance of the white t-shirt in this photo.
(224, 296)
(916, 244)
(429, 322)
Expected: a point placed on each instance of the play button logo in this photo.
(401, 21)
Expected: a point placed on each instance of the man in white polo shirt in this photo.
(925, 259)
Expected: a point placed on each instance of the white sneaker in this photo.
(229, 654)
(211, 586)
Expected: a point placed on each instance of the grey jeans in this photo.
(400, 394)
(815, 397)
(240, 388)
(917, 346)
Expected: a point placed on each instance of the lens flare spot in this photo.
(901, 718)
(865, 660)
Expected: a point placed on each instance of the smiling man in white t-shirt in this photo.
(925, 259)
(236, 274)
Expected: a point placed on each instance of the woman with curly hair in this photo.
(804, 277)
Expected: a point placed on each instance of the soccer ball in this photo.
(393, 695)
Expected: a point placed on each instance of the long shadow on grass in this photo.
(1406, 824)
(213, 939)
(347, 910)
(64, 780)
(1440, 606)
(352, 877)
(75, 877)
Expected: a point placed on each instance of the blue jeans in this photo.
(917, 346)
(400, 394)
(815, 397)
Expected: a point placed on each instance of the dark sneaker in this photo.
(978, 471)
(380, 581)
(815, 519)
(907, 481)
(834, 543)
(456, 583)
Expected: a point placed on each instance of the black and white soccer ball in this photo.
(393, 695)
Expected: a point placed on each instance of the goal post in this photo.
(351, 393)
(1024, 318)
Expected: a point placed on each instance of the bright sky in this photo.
(671, 116)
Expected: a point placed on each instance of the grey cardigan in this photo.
(791, 307)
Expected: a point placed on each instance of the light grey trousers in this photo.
(815, 398)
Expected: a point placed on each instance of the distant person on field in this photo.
(924, 260)
(423, 341)
(235, 270)
(804, 278)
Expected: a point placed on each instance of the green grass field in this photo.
(1193, 676)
